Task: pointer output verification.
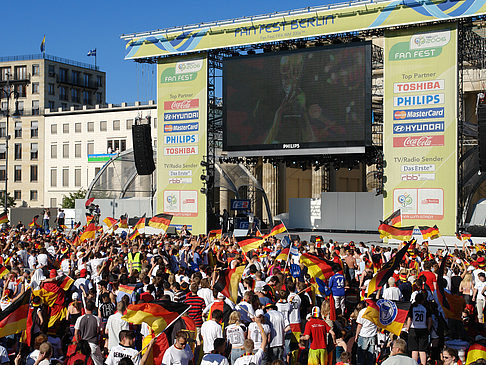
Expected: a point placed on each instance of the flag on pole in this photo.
(249, 243)
(133, 235)
(89, 232)
(88, 202)
(280, 228)
(14, 318)
(228, 282)
(43, 44)
(398, 233)
(475, 352)
(140, 224)
(161, 221)
(92, 52)
(395, 219)
(215, 234)
(110, 222)
(387, 314)
(452, 305)
(429, 232)
(4, 217)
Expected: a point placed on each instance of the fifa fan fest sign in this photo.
(182, 139)
(420, 125)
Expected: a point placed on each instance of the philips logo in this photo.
(182, 139)
(182, 127)
(418, 113)
(413, 100)
(291, 146)
(418, 127)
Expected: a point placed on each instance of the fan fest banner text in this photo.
(182, 139)
(420, 126)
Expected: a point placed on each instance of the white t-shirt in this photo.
(247, 359)
(475, 274)
(118, 352)
(114, 326)
(42, 260)
(284, 308)
(207, 295)
(4, 356)
(174, 356)
(368, 328)
(214, 359)
(277, 327)
(255, 334)
(210, 331)
(479, 287)
(246, 312)
(418, 314)
(235, 335)
(392, 293)
(295, 302)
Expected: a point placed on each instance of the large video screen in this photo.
(307, 99)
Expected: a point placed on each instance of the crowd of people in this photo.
(279, 315)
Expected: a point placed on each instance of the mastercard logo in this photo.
(400, 114)
(168, 128)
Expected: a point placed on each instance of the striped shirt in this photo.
(197, 305)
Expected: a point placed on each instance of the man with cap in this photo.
(277, 332)
(481, 266)
(316, 330)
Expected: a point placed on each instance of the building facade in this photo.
(36, 83)
(78, 143)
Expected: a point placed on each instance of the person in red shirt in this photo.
(316, 329)
(430, 277)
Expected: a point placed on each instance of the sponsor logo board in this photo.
(426, 113)
(418, 141)
(414, 100)
(418, 177)
(182, 127)
(180, 173)
(181, 151)
(418, 168)
(176, 116)
(403, 128)
(418, 86)
(180, 180)
(181, 104)
(430, 40)
(181, 139)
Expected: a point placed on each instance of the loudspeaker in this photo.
(482, 136)
(142, 149)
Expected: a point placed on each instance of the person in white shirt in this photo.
(366, 339)
(248, 357)
(115, 325)
(479, 295)
(245, 308)
(206, 292)
(254, 331)
(211, 330)
(179, 353)
(236, 335)
(277, 332)
(216, 357)
(124, 349)
(399, 354)
(392, 292)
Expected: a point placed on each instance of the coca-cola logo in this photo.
(181, 104)
(418, 141)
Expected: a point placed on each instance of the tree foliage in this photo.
(68, 201)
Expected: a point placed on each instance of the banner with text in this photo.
(420, 126)
(181, 139)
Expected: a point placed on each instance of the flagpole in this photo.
(95, 56)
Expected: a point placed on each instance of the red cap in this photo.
(481, 261)
(146, 297)
(83, 273)
(53, 273)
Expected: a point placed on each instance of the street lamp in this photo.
(7, 92)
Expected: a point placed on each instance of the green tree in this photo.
(68, 201)
(10, 201)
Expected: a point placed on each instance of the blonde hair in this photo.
(325, 309)
(468, 279)
(234, 318)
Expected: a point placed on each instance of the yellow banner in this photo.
(182, 139)
(420, 126)
(310, 22)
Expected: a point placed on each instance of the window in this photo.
(20, 108)
(33, 173)
(33, 195)
(65, 128)
(77, 127)
(116, 145)
(62, 93)
(116, 125)
(3, 129)
(86, 78)
(64, 106)
(65, 150)
(35, 107)
(74, 95)
(65, 177)
(50, 89)
(53, 128)
(51, 70)
(35, 88)
(77, 177)
(53, 178)
(53, 150)
(90, 126)
(86, 99)
(3, 175)
(4, 73)
(21, 90)
(34, 129)
(17, 173)
(75, 77)
(99, 99)
(4, 106)
(129, 123)
(77, 149)
(51, 105)
(90, 148)
(103, 126)
(97, 170)
(53, 202)
(3, 151)
(18, 129)
(34, 151)
(63, 74)
(35, 70)
(20, 72)
(99, 81)
(17, 194)
(18, 151)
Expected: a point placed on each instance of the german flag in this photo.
(4, 217)
(134, 235)
(3, 271)
(429, 232)
(382, 276)
(258, 233)
(452, 305)
(228, 282)
(14, 318)
(140, 224)
(34, 223)
(395, 219)
(398, 233)
(387, 314)
(157, 315)
(215, 234)
(109, 221)
(280, 228)
(283, 255)
(320, 269)
(161, 221)
(249, 243)
(89, 232)
(476, 351)
(65, 282)
(89, 218)
(88, 202)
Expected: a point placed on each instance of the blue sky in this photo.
(74, 27)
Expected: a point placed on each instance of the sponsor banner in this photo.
(415, 100)
(425, 113)
(240, 204)
(310, 22)
(181, 139)
(405, 128)
(421, 156)
(181, 97)
(183, 127)
(181, 104)
(101, 157)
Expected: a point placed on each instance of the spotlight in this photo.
(205, 178)
(204, 163)
(204, 191)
